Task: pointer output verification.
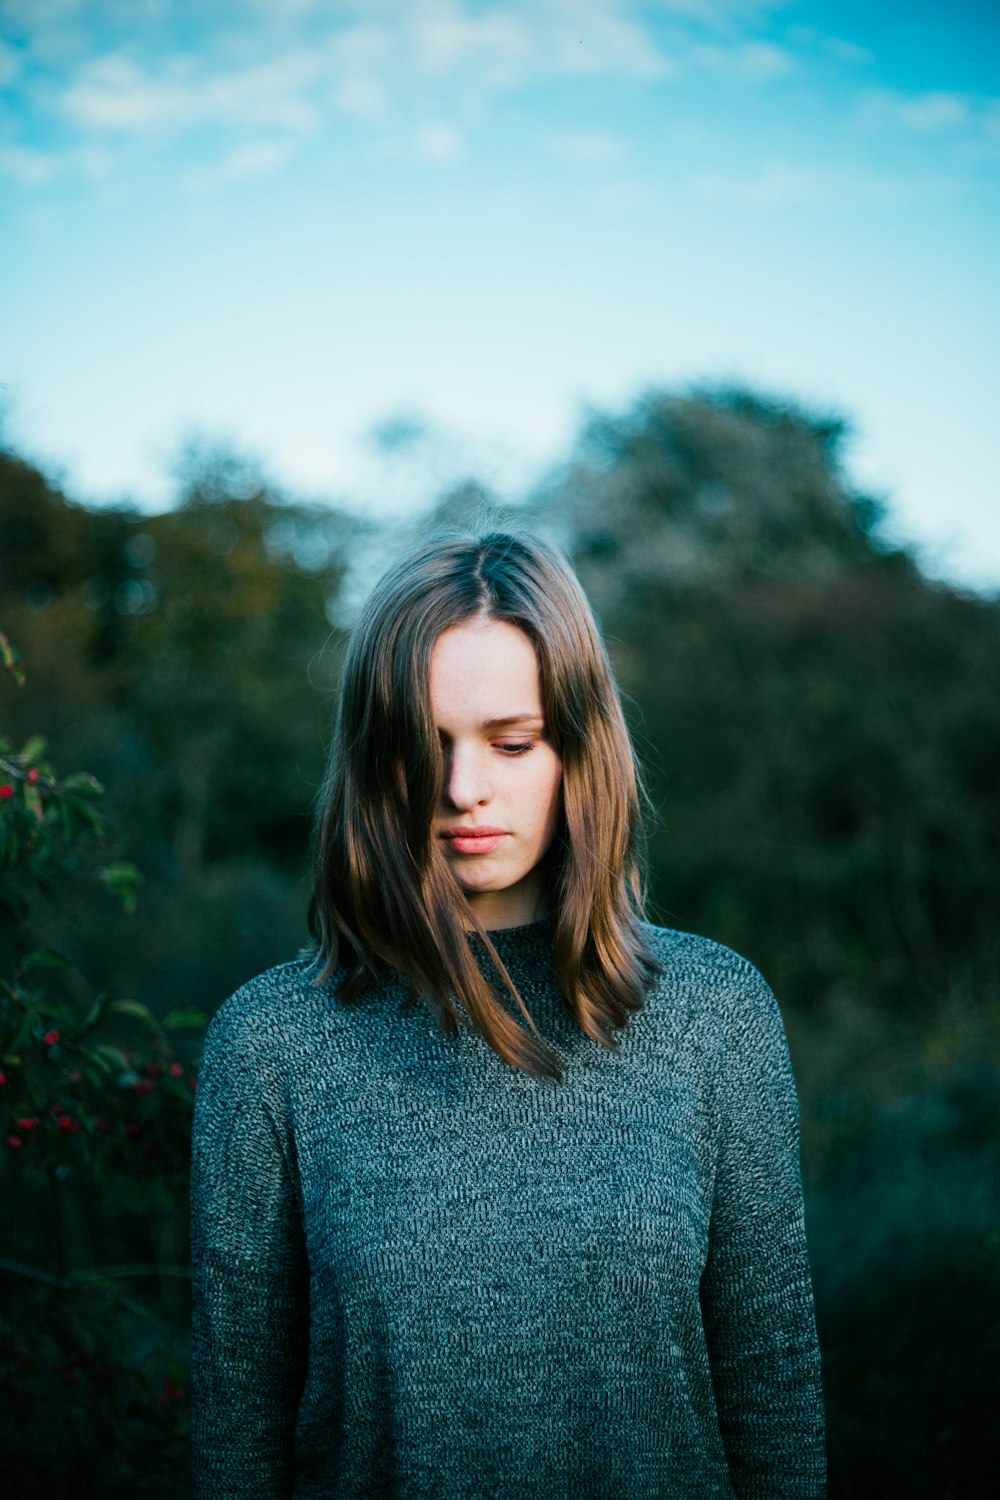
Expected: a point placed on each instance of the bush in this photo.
(95, 1118)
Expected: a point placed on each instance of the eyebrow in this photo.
(510, 719)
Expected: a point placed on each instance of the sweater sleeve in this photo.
(250, 1308)
(756, 1289)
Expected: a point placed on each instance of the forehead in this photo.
(484, 669)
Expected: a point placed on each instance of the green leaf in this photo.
(33, 751)
(114, 1055)
(94, 1016)
(138, 1010)
(178, 1019)
(43, 958)
(82, 783)
(82, 811)
(10, 657)
(122, 879)
(24, 1030)
(96, 1069)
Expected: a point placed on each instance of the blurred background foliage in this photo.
(820, 726)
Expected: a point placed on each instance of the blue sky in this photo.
(281, 224)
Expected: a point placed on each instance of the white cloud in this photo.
(446, 38)
(835, 46)
(34, 167)
(10, 64)
(360, 60)
(517, 42)
(772, 184)
(969, 122)
(757, 62)
(600, 40)
(848, 52)
(934, 111)
(438, 143)
(777, 183)
(113, 93)
(260, 72)
(722, 15)
(257, 157)
(367, 62)
(590, 147)
(248, 160)
(27, 165)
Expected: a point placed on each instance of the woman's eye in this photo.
(515, 747)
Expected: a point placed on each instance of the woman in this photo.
(498, 1195)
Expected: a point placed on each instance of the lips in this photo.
(479, 840)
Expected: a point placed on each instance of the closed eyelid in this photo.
(520, 726)
(517, 723)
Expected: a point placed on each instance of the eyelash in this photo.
(518, 748)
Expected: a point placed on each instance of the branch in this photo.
(98, 1273)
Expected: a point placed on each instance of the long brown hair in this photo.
(384, 899)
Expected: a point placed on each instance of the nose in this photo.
(466, 778)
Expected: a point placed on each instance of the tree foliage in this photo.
(188, 659)
(818, 718)
(85, 1120)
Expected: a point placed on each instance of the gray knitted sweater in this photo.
(421, 1273)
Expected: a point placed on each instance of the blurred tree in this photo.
(818, 717)
(189, 659)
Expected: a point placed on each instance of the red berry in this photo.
(176, 1071)
(6, 790)
(14, 1141)
(51, 1037)
(168, 1393)
(32, 775)
(28, 1122)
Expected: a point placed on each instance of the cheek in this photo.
(547, 799)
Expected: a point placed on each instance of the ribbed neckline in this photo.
(529, 936)
(525, 952)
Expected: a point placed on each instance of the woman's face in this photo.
(499, 804)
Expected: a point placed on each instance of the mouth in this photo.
(473, 840)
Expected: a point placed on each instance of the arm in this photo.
(756, 1289)
(250, 1294)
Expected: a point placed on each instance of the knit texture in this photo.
(421, 1273)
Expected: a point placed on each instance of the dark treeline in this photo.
(820, 727)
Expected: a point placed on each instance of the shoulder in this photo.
(732, 1024)
(684, 954)
(718, 990)
(269, 1010)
